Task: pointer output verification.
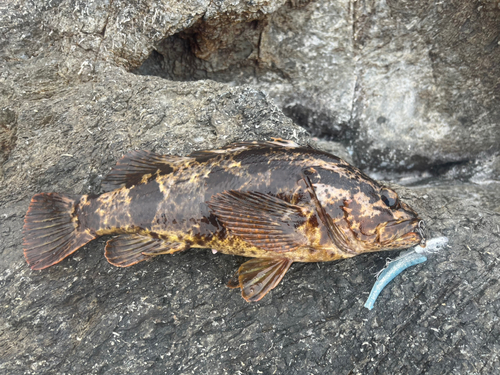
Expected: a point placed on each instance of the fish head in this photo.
(382, 222)
(370, 216)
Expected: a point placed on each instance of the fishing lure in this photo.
(404, 261)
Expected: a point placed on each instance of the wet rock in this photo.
(335, 148)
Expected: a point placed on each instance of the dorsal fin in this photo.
(134, 166)
(284, 142)
(276, 142)
(204, 155)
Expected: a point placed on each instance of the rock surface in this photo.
(408, 85)
(69, 108)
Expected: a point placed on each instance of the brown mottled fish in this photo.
(276, 202)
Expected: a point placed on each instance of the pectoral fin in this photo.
(257, 277)
(261, 219)
(128, 249)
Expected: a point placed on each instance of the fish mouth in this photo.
(414, 238)
(404, 233)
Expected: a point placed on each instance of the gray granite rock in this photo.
(70, 108)
(408, 85)
(428, 83)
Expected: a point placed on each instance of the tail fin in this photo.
(51, 230)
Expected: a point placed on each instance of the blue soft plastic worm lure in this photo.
(401, 263)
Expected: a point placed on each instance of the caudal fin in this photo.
(51, 230)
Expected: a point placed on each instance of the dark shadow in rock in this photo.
(188, 56)
(248, 53)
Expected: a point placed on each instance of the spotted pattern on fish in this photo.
(267, 200)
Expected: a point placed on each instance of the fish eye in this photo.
(390, 198)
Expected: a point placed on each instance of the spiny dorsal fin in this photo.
(204, 155)
(257, 277)
(131, 168)
(284, 142)
(276, 142)
(261, 219)
(128, 249)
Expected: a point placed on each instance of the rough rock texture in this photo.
(429, 82)
(79, 133)
(175, 315)
(408, 84)
(69, 108)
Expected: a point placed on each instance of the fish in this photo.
(276, 202)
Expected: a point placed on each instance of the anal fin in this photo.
(128, 249)
(258, 276)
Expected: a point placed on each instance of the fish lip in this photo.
(418, 230)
